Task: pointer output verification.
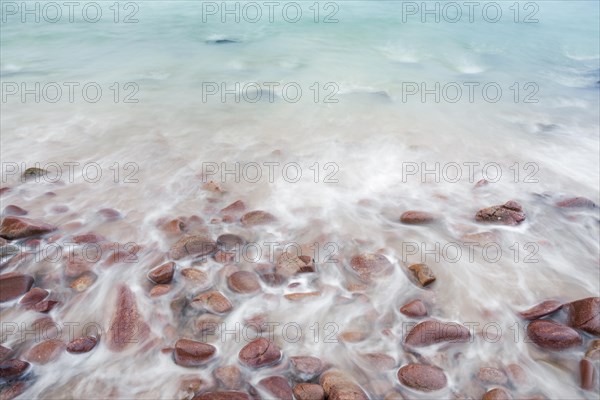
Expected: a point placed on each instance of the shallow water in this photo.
(368, 149)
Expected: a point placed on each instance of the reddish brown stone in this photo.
(110, 214)
(195, 275)
(127, 326)
(12, 368)
(422, 274)
(160, 290)
(584, 314)
(45, 306)
(517, 374)
(212, 301)
(192, 246)
(497, 394)
(226, 395)
(19, 227)
(13, 285)
(309, 391)
(34, 296)
(576, 202)
(190, 353)
(77, 265)
(509, 213)
(260, 353)
(229, 242)
(492, 376)
(422, 377)
(369, 265)
(234, 208)
(552, 335)
(432, 331)
(229, 377)
(12, 390)
(301, 296)
(414, 309)
(338, 386)
(278, 387)
(11, 209)
(163, 273)
(258, 217)
(307, 367)
(289, 264)
(89, 237)
(538, 311)
(46, 351)
(587, 372)
(243, 282)
(82, 344)
(417, 218)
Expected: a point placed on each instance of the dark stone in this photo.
(584, 314)
(278, 387)
(369, 265)
(552, 335)
(540, 310)
(190, 353)
(13, 285)
(414, 309)
(82, 344)
(12, 368)
(422, 377)
(19, 227)
(432, 331)
(509, 213)
(192, 246)
(260, 353)
(163, 273)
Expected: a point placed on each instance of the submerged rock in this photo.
(414, 309)
(258, 217)
(307, 367)
(422, 274)
(587, 373)
(433, 331)
(190, 353)
(127, 326)
(243, 282)
(229, 377)
(497, 394)
(19, 227)
(278, 387)
(212, 301)
(226, 395)
(11, 209)
(82, 344)
(163, 273)
(369, 265)
(192, 246)
(509, 213)
(552, 335)
(309, 391)
(576, 202)
(540, 310)
(260, 353)
(417, 218)
(422, 377)
(12, 368)
(46, 351)
(338, 386)
(584, 314)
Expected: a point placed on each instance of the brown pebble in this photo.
(289, 264)
(584, 314)
(160, 290)
(433, 331)
(576, 202)
(540, 310)
(306, 367)
(414, 309)
(278, 387)
(12, 368)
(517, 374)
(422, 377)
(109, 214)
(369, 265)
(195, 275)
(243, 282)
(552, 335)
(309, 391)
(301, 296)
(46, 351)
(45, 306)
(12, 390)
(212, 301)
(89, 237)
(422, 274)
(497, 394)
(163, 273)
(11, 209)
(338, 386)
(417, 218)
(260, 353)
(190, 353)
(509, 213)
(588, 374)
(258, 217)
(234, 208)
(230, 242)
(127, 326)
(492, 376)
(229, 377)
(13, 285)
(12, 228)
(192, 246)
(226, 395)
(5, 352)
(82, 345)
(34, 296)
